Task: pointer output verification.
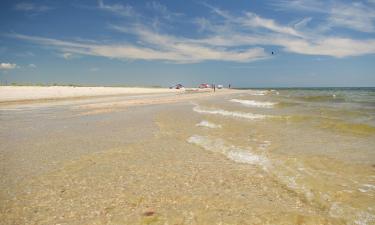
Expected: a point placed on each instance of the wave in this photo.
(331, 124)
(322, 98)
(287, 104)
(257, 93)
(347, 127)
(250, 116)
(284, 175)
(293, 176)
(233, 153)
(253, 103)
(205, 123)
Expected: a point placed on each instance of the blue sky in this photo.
(113, 42)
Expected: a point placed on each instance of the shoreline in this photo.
(100, 96)
(27, 93)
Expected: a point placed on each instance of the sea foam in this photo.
(233, 153)
(253, 103)
(205, 123)
(250, 116)
(254, 92)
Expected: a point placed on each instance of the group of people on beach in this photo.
(214, 87)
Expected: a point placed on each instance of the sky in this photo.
(284, 43)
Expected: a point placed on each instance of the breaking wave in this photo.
(253, 103)
(257, 93)
(231, 152)
(250, 116)
(205, 123)
(280, 172)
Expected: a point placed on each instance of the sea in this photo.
(315, 143)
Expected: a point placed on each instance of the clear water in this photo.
(283, 156)
(316, 143)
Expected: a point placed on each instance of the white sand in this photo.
(19, 93)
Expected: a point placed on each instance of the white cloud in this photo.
(254, 20)
(330, 46)
(94, 69)
(162, 10)
(118, 9)
(239, 38)
(302, 23)
(67, 55)
(31, 65)
(160, 47)
(294, 40)
(355, 15)
(301, 5)
(31, 7)
(7, 66)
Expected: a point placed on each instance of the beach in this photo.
(25, 93)
(101, 155)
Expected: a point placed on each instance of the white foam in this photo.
(205, 123)
(253, 103)
(352, 215)
(231, 152)
(245, 157)
(253, 92)
(366, 188)
(221, 112)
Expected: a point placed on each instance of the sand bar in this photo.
(25, 93)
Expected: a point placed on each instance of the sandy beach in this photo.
(158, 156)
(24, 93)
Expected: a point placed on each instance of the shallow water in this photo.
(316, 143)
(268, 157)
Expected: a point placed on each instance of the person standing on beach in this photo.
(214, 87)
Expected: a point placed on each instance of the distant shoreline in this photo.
(18, 95)
(30, 93)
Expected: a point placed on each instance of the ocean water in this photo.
(316, 144)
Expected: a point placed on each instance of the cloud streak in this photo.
(7, 66)
(118, 9)
(31, 7)
(164, 48)
(354, 15)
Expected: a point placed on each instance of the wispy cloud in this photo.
(291, 39)
(118, 9)
(162, 10)
(31, 65)
(161, 47)
(251, 20)
(31, 7)
(67, 55)
(7, 66)
(222, 36)
(355, 15)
